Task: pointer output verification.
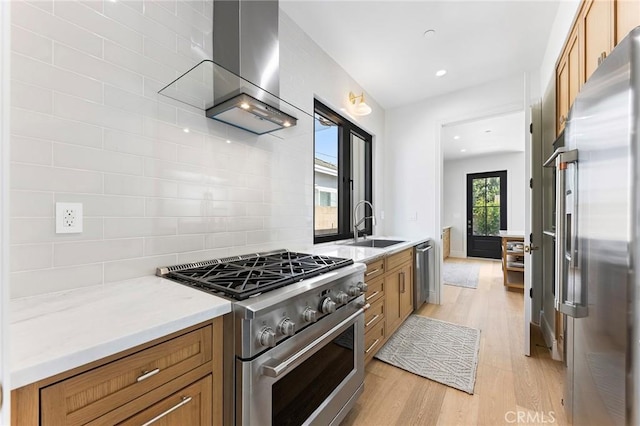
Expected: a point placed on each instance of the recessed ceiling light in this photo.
(440, 73)
(463, 150)
(429, 33)
(488, 131)
(186, 130)
(228, 141)
(456, 137)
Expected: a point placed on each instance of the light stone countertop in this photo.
(57, 332)
(365, 254)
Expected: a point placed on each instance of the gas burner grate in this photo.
(245, 276)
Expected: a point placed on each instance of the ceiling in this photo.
(382, 46)
(498, 134)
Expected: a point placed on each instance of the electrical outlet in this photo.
(68, 218)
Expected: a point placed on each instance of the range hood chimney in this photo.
(243, 78)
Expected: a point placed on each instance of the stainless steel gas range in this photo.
(296, 352)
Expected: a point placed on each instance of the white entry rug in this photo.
(460, 274)
(437, 350)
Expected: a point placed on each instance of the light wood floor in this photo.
(507, 382)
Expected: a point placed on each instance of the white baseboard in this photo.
(458, 254)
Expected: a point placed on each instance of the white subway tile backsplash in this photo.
(31, 44)
(31, 256)
(139, 227)
(43, 230)
(37, 125)
(40, 178)
(82, 158)
(31, 204)
(99, 24)
(33, 97)
(33, 151)
(202, 225)
(167, 207)
(105, 205)
(158, 181)
(139, 186)
(127, 101)
(78, 109)
(81, 252)
(31, 283)
(48, 76)
(96, 68)
(175, 244)
(47, 25)
(134, 268)
(134, 19)
(139, 145)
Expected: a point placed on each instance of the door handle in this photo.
(530, 247)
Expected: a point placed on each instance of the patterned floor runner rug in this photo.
(437, 350)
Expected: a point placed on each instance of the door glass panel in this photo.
(326, 176)
(298, 394)
(486, 206)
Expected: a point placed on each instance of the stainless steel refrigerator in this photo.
(598, 242)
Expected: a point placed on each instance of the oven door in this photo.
(314, 377)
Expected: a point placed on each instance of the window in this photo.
(342, 175)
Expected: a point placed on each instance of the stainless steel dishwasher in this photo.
(425, 277)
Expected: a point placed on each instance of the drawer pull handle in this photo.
(147, 374)
(371, 321)
(374, 294)
(372, 272)
(373, 345)
(185, 400)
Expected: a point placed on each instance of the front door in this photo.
(486, 213)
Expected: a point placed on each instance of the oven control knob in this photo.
(287, 327)
(327, 306)
(342, 297)
(363, 287)
(267, 337)
(309, 315)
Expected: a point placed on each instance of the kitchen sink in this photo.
(376, 243)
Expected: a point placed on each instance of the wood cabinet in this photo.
(627, 17)
(181, 371)
(598, 27)
(446, 242)
(399, 291)
(596, 20)
(390, 296)
(374, 317)
(513, 262)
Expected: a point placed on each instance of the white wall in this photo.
(455, 193)
(88, 126)
(413, 159)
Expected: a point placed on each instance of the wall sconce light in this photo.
(360, 107)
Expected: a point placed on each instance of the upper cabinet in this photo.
(597, 24)
(598, 27)
(627, 17)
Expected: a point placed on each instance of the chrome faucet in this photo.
(357, 222)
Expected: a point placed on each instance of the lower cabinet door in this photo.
(190, 406)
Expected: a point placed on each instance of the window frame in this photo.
(345, 183)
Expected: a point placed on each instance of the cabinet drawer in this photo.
(374, 269)
(375, 290)
(189, 406)
(373, 340)
(374, 314)
(398, 259)
(85, 397)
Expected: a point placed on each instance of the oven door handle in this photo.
(268, 369)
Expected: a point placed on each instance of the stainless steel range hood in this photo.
(241, 85)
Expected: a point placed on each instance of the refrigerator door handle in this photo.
(570, 308)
